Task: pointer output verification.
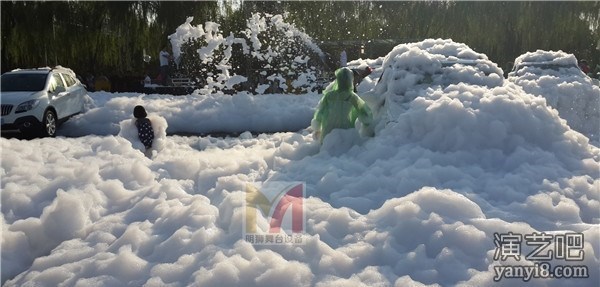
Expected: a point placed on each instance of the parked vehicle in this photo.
(556, 77)
(37, 101)
(414, 68)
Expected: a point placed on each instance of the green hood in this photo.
(344, 78)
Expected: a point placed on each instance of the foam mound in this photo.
(420, 204)
(555, 76)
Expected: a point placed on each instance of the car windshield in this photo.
(21, 82)
(547, 66)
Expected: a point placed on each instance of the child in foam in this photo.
(340, 107)
(144, 126)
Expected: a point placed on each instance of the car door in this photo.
(58, 95)
(75, 94)
(81, 94)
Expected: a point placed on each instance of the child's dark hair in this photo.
(139, 112)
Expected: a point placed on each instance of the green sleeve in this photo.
(361, 111)
(321, 111)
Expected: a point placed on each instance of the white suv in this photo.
(36, 101)
(555, 76)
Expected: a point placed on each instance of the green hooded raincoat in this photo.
(340, 107)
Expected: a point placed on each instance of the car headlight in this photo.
(26, 106)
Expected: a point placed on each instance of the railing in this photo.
(182, 82)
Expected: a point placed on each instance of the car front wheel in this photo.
(49, 124)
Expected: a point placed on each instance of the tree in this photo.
(110, 37)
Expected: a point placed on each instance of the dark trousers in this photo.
(164, 73)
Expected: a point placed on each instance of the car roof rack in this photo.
(48, 69)
(32, 69)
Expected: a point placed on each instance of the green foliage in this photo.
(502, 30)
(109, 37)
(280, 54)
(90, 36)
(202, 70)
(190, 63)
(269, 51)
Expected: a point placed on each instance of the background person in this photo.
(164, 57)
(583, 65)
(359, 75)
(343, 58)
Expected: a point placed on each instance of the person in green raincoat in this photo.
(340, 107)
